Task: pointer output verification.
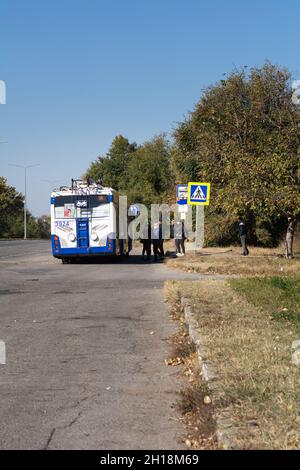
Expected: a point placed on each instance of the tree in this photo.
(112, 168)
(12, 216)
(11, 205)
(243, 136)
(149, 174)
(143, 173)
(44, 226)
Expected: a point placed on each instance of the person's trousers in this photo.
(156, 251)
(161, 248)
(289, 246)
(147, 249)
(244, 245)
(179, 243)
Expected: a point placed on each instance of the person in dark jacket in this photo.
(147, 243)
(161, 241)
(243, 237)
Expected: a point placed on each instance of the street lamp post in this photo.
(25, 168)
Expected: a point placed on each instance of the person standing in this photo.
(289, 239)
(161, 241)
(155, 241)
(179, 235)
(243, 236)
(146, 241)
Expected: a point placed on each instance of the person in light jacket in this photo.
(243, 237)
(179, 235)
(289, 239)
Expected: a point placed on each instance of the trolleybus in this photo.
(84, 222)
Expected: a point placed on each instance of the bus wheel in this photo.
(65, 260)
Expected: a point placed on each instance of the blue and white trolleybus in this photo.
(84, 222)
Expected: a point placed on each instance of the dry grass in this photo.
(197, 416)
(257, 386)
(228, 261)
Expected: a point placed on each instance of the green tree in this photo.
(11, 205)
(112, 168)
(149, 172)
(12, 216)
(143, 173)
(243, 136)
(15, 226)
(44, 226)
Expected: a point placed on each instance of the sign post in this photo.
(199, 195)
(199, 241)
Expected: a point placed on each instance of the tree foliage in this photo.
(11, 204)
(143, 172)
(111, 169)
(12, 216)
(243, 136)
(149, 172)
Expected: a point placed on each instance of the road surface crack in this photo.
(72, 422)
(49, 439)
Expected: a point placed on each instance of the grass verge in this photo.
(197, 414)
(248, 326)
(278, 296)
(230, 262)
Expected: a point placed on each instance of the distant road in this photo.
(23, 247)
(86, 345)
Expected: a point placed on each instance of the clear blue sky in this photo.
(79, 72)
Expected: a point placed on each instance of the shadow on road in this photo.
(132, 259)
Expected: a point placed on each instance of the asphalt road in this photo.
(83, 370)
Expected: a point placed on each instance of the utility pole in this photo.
(25, 168)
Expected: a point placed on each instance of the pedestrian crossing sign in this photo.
(198, 194)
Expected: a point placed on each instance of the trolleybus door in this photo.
(83, 233)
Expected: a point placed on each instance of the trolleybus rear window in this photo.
(70, 207)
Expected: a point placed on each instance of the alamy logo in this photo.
(198, 194)
(2, 92)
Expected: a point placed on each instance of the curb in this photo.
(225, 431)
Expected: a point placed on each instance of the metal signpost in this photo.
(199, 195)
